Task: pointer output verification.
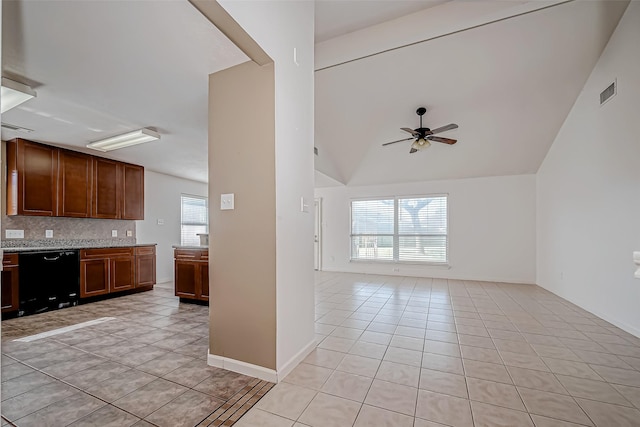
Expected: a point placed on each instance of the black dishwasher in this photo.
(48, 280)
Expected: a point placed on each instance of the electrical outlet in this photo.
(114, 233)
(129, 233)
(396, 269)
(48, 234)
(14, 234)
(160, 221)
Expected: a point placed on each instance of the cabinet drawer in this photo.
(191, 254)
(145, 250)
(10, 259)
(105, 252)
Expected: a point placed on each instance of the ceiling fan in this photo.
(422, 136)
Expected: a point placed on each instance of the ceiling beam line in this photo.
(442, 35)
(214, 12)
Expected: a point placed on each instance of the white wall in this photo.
(279, 27)
(588, 188)
(491, 228)
(162, 201)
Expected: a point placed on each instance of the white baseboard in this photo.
(260, 371)
(243, 368)
(295, 360)
(434, 273)
(620, 324)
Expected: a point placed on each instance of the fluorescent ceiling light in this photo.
(14, 94)
(125, 140)
(15, 128)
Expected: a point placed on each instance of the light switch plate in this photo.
(636, 261)
(160, 221)
(304, 205)
(14, 234)
(114, 233)
(227, 201)
(48, 234)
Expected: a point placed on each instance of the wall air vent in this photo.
(315, 150)
(15, 128)
(608, 93)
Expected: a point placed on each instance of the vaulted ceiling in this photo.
(508, 84)
(103, 68)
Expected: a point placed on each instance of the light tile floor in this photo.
(147, 367)
(399, 351)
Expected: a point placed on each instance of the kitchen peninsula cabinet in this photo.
(192, 273)
(10, 283)
(50, 181)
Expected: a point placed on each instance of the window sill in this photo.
(438, 265)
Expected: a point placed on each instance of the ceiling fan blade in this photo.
(444, 128)
(393, 142)
(411, 131)
(440, 139)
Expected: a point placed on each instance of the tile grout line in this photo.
(68, 384)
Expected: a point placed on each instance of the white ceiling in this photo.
(509, 85)
(104, 68)
(337, 17)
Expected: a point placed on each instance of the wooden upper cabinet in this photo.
(74, 185)
(107, 189)
(48, 181)
(133, 192)
(32, 178)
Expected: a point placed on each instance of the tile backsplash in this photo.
(67, 228)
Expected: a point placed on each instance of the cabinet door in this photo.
(133, 192)
(10, 285)
(145, 270)
(204, 281)
(94, 277)
(121, 272)
(33, 172)
(185, 280)
(106, 189)
(74, 186)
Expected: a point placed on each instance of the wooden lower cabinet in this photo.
(108, 270)
(192, 274)
(94, 277)
(145, 266)
(122, 270)
(10, 283)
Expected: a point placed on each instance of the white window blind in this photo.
(400, 229)
(194, 219)
(372, 229)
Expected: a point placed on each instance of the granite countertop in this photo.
(73, 244)
(189, 247)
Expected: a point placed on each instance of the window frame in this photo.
(182, 223)
(396, 235)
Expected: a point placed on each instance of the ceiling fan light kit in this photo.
(422, 136)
